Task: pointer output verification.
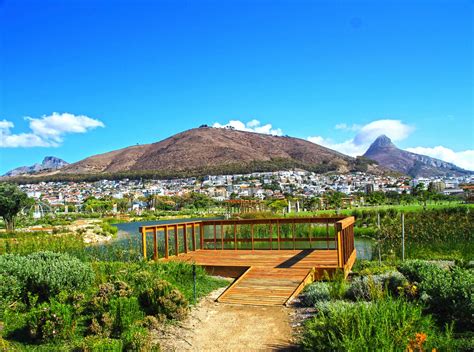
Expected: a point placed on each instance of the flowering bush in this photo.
(50, 321)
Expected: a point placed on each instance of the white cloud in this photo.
(464, 159)
(251, 126)
(394, 129)
(46, 131)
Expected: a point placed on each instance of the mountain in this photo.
(388, 155)
(49, 163)
(207, 150)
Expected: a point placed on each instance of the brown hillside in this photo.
(208, 148)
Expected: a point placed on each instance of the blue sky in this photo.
(79, 78)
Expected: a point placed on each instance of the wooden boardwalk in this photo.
(266, 274)
(265, 277)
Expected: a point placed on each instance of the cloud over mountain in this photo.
(397, 131)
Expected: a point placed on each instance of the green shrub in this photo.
(10, 289)
(337, 285)
(113, 310)
(384, 325)
(51, 321)
(375, 286)
(99, 344)
(316, 292)
(161, 298)
(447, 293)
(125, 312)
(45, 274)
(136, 339)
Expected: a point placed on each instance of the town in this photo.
(259, 186)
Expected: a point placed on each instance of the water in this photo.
(129, 235)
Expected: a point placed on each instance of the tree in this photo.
(376, 198)
(277, 205)
(12, 200)
(334, 199)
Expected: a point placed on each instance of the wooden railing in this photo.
(325, 233)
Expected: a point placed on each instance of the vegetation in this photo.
(89, 298)
(384, 325)
(12, 200)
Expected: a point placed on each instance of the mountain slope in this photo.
(216, 150)
(388, 155)
(49, 163)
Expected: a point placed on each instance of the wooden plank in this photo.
(345, 222)
(143, 231)
(307, 280)
(240, 278)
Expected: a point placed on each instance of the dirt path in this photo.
(215, 326)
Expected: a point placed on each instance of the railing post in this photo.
(338, 228)
(143, 231)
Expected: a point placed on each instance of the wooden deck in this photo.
(268, 273)
(265, 277)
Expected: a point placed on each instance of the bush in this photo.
(161, 298)
(384, 325)
(136, 339)
(50, 321)
(376, 286)
(316, 292)
(45, 274)
(125, 312)
(10, 289)
(337, 285)
(447, 293)
(99, 344)
(113, 310)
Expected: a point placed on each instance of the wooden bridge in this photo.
(271, 259)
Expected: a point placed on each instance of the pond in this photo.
(129, 235)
